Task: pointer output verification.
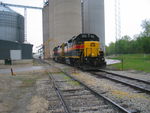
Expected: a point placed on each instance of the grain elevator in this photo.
(63, 19)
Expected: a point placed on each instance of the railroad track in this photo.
(141, 85)
(52, 97)
(76, 96)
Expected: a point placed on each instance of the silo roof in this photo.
(5, 8)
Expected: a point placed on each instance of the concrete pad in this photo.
(112, 61)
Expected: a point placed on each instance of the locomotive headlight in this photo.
(93, 54)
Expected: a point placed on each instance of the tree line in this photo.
(126, 45)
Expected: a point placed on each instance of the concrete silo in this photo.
(93, 19)
(46, 33)
(63, 21)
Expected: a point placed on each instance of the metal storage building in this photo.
(12, 34)
(11, 25)
(7, 46)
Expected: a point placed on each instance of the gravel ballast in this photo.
(127, 97)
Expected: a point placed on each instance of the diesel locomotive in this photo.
(81, 51)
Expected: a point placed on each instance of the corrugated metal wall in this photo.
(6, 46)
(11, 25)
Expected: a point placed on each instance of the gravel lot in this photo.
(26, 92)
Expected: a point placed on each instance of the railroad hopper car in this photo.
(81, 51)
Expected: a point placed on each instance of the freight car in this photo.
(81, 51)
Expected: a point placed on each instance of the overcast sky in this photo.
(132, 14)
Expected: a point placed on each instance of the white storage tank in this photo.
(11, 25)
(93, 19)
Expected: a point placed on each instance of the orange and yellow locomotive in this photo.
(81, 51)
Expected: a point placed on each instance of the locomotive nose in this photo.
(91, 48)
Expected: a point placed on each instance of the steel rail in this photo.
(115, 105)
(146, 82)
(66, 107)
(107, 100)
(123, 82)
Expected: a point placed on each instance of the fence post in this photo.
(122, 63)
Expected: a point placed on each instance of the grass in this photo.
(122, 94)
(140, 62)
(74, 83)
(71, 82)
(27, 81)
(67, 78)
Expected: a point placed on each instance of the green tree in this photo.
(123, 45)
(110, 49)
(144, 38)
(143, 43)
(146, 27)
(140, 44)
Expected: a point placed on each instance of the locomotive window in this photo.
(69, 45)
(94, 37)
(84, 36)
(69, 41)
(65, 44)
